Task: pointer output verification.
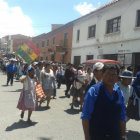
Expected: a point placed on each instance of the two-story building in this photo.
(110, 32)
(56, 45)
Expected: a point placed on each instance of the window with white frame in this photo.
(113, 25)
(91, 31)
(138, 18)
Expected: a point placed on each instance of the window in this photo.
(78, 35)
(113, 25)
(65, 36)
(43, 43)
(77, 61)
(91, 31)
(89, 57)
(53, 41)
(41, 58)
(65, 39)
(52, 57)
(110, 56)
(48, 42)
(138, 18)
(37, 45)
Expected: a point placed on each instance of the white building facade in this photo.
(110, 32)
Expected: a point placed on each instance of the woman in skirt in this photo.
(47, 80)
(78, 89)
(27, 100)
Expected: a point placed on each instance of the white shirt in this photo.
(89, 77)
(126, 91)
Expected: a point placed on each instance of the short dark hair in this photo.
(88, 69)
(68, 64)
(40, 63)
(47, 64)
(111, 67)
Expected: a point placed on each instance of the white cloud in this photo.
(14, 21)
(84, 8)
(99, 3)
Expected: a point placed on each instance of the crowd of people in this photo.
(105, 92)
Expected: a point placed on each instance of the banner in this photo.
(29, 52)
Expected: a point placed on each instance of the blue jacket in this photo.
(11, 68)
(103, 110)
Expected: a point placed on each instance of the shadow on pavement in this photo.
(62, 97)
(133, 135)
(4, 85)
(18, 90)
(40, 108)
(72, 111)
(19, 125)
(76, 104)
(17, 81)
(42, 138)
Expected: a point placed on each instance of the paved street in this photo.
(57, 123)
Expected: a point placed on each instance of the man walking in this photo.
(59, 74)
(69, 76)
(125, 84)
(11, 68)
(104, 110)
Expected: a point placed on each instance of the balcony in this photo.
(50, 50)
(62, 46)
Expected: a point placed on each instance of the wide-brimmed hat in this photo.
(98, 66)
(126, 74)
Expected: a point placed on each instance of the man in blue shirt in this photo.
(11, 68)
(104, 111)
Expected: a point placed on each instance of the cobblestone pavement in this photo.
(57, 123)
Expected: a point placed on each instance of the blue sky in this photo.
(34, 17)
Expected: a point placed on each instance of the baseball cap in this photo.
(98, 66)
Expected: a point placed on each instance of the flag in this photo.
(28, 51)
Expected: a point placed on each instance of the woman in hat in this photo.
(27, 100)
